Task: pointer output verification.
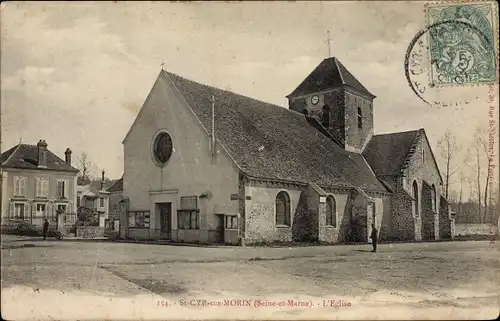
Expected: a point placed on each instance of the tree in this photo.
(86, 167)
(482, 167)
(448, 149)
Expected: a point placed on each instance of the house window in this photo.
(62, 189)
(423, 154)
(138, 219)
(78, 201)
(61, 208)
(42, 187)
(101, 202)
(19, 186)
(188, 220)
(41, 210)
(19, 209)
(331, 212)
(326, 116)
(283, 209)
(231, 222)
(360, 118)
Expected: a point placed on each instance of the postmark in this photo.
(443, 73)
(461, 51)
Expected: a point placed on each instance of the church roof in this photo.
(387, 153)
(272, 142)
(330, 73)
(26, 157)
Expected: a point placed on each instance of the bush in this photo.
(27, 229)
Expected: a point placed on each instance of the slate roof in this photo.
(25, 156)
(387, 153)
(330, 73)
(269, 141)
(117, 186)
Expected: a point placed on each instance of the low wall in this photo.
(462, 229)
(90, 232)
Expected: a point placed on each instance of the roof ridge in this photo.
(13, 152)
(336, 61)
(227, 91)
(393, 133)
(411, 150)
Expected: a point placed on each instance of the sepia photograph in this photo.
(251, 160)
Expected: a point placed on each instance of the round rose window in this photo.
(162, 148)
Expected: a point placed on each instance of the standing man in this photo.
(374, 237)
(45, 229)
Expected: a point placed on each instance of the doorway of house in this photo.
(219, 230)
(165, 210)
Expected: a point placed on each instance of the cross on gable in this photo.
(162, 64)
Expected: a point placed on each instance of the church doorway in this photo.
(165, 210)
(220, 229)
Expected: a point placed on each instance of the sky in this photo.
(77, 73)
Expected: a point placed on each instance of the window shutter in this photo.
(23, 186)
(26, 210)
(33, 210)
(38, 187)
(16, 185)
(11, 210)
(66, 183)
(45, 187)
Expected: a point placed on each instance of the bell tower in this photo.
(338, 101)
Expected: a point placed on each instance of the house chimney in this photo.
(67, 155)
(102, 180)
(42, 153)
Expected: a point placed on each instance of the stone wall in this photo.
(260, 219)
(446, 222)
(428, 214)
(355, 137)
(403, 221)
(475, 229)
(90, 232)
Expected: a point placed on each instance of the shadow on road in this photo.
(11, 246)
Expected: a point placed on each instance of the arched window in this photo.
(415, 196)
(282, 209)
(360, 118)
(433, 197)
(326, 116)
(331, 211)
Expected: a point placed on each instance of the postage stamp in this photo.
(462, 43)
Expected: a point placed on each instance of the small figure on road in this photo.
(374, 238)
(45, 229)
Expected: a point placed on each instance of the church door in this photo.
(165, 220)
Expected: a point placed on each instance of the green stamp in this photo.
(462, 43)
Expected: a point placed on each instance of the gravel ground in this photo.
(130, 281)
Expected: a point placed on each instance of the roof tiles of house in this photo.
(387, 153)
(269, 141)
(117, 186)
(26, 157)
(330, 73)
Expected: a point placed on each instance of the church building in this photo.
(206, 165)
